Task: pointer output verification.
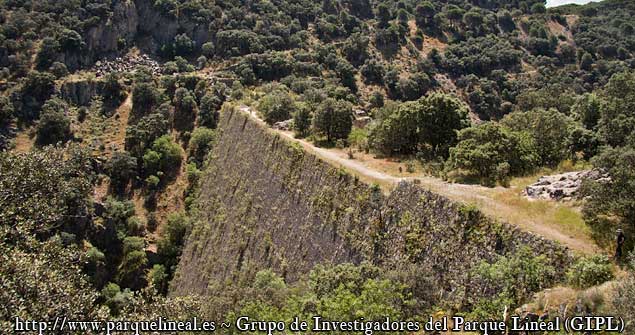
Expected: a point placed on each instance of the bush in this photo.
(512, 278)
(590, 271)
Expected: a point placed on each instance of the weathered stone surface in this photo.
(80, 92)
(562, 187)
(283, 125)
(266, 203)
(128, 63)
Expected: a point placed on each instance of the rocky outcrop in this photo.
(80, 92)
(562, 187)
(117, 31)
(266, 203)
(125, 64)
(106, 38)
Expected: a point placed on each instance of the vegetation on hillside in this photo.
(480, 90)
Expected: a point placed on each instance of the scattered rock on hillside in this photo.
(286, 125)
(128, 63)
(562, 187)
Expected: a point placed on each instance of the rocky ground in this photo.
(562, 187)
(126, 63)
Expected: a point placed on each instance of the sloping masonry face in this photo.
(265, 203)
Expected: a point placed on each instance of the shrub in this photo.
(590, 271)
(513, 278)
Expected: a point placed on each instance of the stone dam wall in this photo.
(266, 203)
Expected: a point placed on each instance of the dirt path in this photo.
(505, 204)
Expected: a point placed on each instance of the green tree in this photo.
(201, 143)
(158, 278)
(616, 126)
(276, 106)
(59, 184)
(131, 271)
(121, 168)
(549, 129)
(172, 238)
(145, 97)
(587, 110)
(66, 290)
(333, 119)
(185, 109)
(425, 125)
(586, 62)
(491, 152)
(142, 134)
(54, 125)
(6, 111)
(611, 203)
(113, 91)
(424, 13)
(302, 120)
(383, 14)
(170, 153)
(35, 91)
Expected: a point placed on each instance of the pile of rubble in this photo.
(286, 125)
(128, 63)
(563, 187)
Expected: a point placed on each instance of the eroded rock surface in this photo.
(564, 186)
(128, 63)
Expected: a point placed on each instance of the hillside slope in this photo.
(265, 203)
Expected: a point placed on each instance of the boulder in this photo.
(563, 187)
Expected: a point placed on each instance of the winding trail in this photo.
(486, 199)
